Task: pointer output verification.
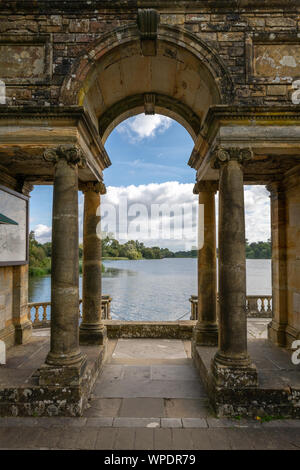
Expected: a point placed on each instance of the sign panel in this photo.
(13, 228)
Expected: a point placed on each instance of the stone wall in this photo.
(260, 48)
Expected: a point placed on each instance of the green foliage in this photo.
(259, 250)
(40, 254)
(39, 259)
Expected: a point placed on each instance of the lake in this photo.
(155, 290)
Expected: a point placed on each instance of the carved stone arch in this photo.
(196, 66)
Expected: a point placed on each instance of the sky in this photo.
(150, 181)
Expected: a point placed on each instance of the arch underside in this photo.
(182, 86)
(134, 105)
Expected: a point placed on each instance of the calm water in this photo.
(155, 289)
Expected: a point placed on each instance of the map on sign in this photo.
(13, 228)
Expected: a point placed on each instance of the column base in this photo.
(277, 333)
(23, 332)
(92, 334)
(234, 372)
(206, 334)
(62, 375)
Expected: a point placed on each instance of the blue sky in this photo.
(149, 156)
(143, 153)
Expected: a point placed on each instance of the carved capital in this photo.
(71, 153)
(96, 186)
(206, 187)
(24, 186)
(223, 155)
(276, 189)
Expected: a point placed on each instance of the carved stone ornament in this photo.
(206, 187)
(223, 155)
(96, 186)
(71, 153)
(149, 103)
(147, 21)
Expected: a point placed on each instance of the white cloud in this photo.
(141, 126)
(258, 216)
(42, 233)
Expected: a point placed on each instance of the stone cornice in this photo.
(237, 115)
(59, 114)
(46, 6)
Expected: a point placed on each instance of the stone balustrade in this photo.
(39, 312)
(257, 306)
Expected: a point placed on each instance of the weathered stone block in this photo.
(79, 26)
(172, 19)
(275, 90)
(280, 22)
(196, 18)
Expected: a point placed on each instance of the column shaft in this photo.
(279, 322)
(232, 366)
(206, 331)
(92, 330)
(65, 267)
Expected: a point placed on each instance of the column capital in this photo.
(96, 186)
(24, 187)
(71, 153)
(222, 155)
(206, 187)
(276, 189)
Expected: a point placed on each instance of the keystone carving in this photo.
(147, 21)
(149, 103)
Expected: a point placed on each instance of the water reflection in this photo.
(117, 272)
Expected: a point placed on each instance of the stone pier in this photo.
(65, 362)
(232, 366)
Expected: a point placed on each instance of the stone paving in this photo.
(149, 396)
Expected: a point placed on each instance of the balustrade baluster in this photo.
(36, 317)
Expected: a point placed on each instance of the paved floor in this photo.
(149, 396)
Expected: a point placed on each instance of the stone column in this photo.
(277, 328)
(206, 330)
(65, 361)
(232, 367)
(92, 329)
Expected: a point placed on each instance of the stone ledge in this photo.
(271, 400)
(167, 330)
(34, 400)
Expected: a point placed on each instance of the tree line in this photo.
(40, 253)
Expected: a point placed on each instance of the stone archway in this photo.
(114, 79)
